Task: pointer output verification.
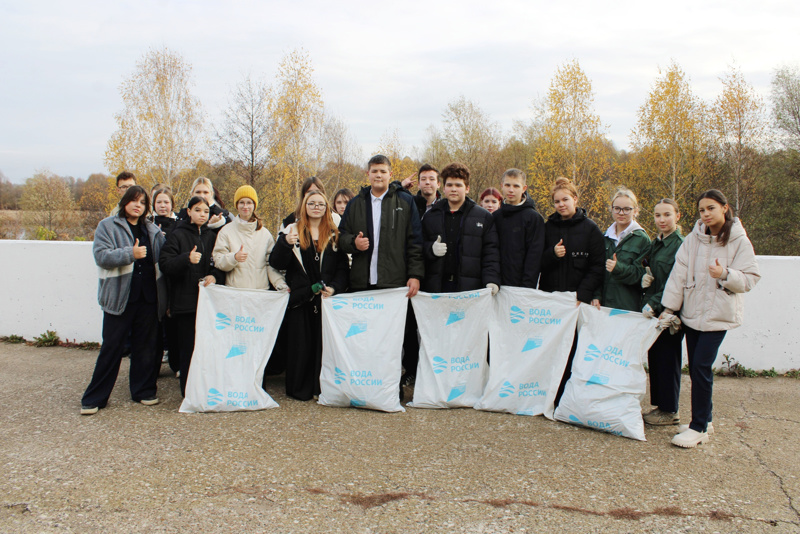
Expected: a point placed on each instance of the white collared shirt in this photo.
(612, 231)
(377, 202)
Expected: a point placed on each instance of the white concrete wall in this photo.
(52, 285)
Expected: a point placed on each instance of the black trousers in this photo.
(304, 350)
(664, 362)
(183, 329)
(140, 320)
(702, 348)
(410, 342)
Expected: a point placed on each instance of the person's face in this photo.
(428, 183)
(203, 191)
(163, 205)
(245, 207)
(199, 214)
(379, 177)
(712, 213)
(564, 203)
(340, 204)
(513, 189)
(623, 211)
(316, 207)
(123, 186)
(666, 218)
(490, 203)
(135, 208)
(456, 191)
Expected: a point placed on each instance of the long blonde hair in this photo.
(327, 229)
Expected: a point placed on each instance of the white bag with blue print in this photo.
(362, 349)
(454, 336)
(608, 381)
(235, 332)
(530, 333)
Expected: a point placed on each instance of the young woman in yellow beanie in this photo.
(243, 247)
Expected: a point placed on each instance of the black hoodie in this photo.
(582, 268)
(521, 233)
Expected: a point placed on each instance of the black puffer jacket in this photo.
(582, 268)
(521, 233)
(400, 248)
(478, 254)
(300, 277)
(183, 215)
(183, 276)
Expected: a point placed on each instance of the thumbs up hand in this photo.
(718, 271)
(362, 243)
(610, 264)
(139, 252)
(241, 255)
(439, 248)
(560, 249)
(194, 256)
(647, 279)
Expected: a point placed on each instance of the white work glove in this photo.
(647, 311)
(648, 278)
(667, 319)
(281, 286)
(493, 287)
(439, 248)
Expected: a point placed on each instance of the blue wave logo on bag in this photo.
(214, 397)
(338, 304)
(236, 350)
(456, 392)
(358, 403)
(454, 317)
(615, 311)
(222, 321)
(339, 376)
(592, 353)
(532, 343)
(507, 390)
(575, 420)
(434, 297)
(516, 315)
(601, 380)
(439, 365)
(525, 412)
(356, 328)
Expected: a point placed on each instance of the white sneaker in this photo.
(690, 438)
(709, 428)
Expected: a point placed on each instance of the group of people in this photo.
(437, 241)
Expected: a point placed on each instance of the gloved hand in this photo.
(669, 320)
(647, 311)
(648, 278)
(439, 248)
(494, 287)
(316, 288)
(282, 286)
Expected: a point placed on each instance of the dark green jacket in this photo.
(400, 248)
(622, 289)
(661, 258)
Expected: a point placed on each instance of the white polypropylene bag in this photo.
(362, 348)
(531, 333)
(235, 334)
(452, 353)
(608, 381)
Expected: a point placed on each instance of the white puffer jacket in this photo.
(705, 303)
(253, 272)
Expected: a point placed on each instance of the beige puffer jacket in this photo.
(253, 272)
(705, 303)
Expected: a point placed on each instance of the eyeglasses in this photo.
(617, 209)
(316, 205)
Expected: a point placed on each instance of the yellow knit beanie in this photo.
(246, 191)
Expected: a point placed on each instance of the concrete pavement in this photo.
(308, 468)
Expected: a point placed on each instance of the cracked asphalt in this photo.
(308, 468)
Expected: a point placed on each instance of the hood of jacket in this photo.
(737, 231)
(444, 206)
(527, 204)
(186, 226)
(555, 218)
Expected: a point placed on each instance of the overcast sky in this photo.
(379, 67)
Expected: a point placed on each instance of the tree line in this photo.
(276, 132)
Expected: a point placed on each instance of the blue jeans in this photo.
(702, 348)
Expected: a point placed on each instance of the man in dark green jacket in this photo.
(381, 229)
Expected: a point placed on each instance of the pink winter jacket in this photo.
(705, 303)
